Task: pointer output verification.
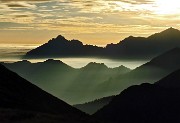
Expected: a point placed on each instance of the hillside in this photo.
(18, 95)
(145, 103)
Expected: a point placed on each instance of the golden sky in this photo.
(95, 22)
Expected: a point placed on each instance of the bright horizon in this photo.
(97, 22)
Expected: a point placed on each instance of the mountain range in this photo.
(150, 72)
(24, 102)
(95, 80)
(129, 48)
(66, 82)
(146, 103)
(44, 91)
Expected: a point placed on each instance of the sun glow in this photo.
(167, 7)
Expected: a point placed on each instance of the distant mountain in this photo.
(129, 48)
(61, 47)
(145, 103)
(94, 106)
(66, 82)
(150, 72)
(25, 102)
(145, 48)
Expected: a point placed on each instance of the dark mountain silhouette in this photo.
(21, 100)
(61, 47)
(129, 48)
(145, 48)
(94, 106)
(150, 72)
(145, 103)
(66, 82)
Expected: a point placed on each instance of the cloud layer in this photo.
(78, 17)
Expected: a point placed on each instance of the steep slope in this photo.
(19, 94)
(145, 103)
(129, 48)
(171, 81)
(159, 66)
(66, 82)
(150, 72)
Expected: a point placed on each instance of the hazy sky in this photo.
(93, 22)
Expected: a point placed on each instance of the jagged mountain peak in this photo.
(53, 61)
(94, 64)
(60, 37)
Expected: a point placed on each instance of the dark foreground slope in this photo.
(146, 103)
(23, 101)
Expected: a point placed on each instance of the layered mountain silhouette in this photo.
(94, 106)
(129, 48)
(66, 82)
(22, 101)
(94, 80)
(150, 72)
(146, 103)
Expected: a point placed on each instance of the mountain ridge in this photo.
(129, 48)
